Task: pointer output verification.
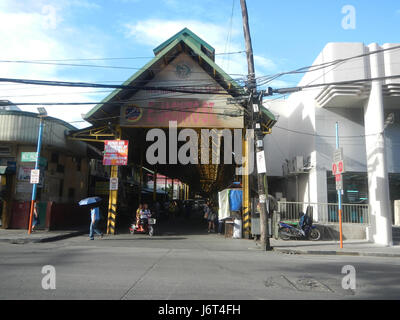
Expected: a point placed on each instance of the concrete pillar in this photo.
(397, 212)
(378, 180)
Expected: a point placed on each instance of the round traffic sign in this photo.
(340, 165)
(334, 168)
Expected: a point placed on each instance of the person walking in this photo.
(36, 219)
(94, 219)
(210, 217)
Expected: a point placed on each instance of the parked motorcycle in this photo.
(304, 229)
(146, 225)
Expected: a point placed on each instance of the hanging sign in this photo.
(113, 184)
(115, 153)
(338, 163)
(261, 168)
(35, 176)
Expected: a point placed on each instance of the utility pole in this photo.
(339, 192)
(42, 114)
(253, 107)
(249, 51)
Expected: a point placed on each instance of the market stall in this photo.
(229, 211)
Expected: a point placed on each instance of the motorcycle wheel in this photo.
(284, 236)
(151, 231)
(315, 234)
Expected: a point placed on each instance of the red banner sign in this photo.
(189, 113)
(115, 153)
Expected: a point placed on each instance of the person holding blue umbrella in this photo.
(94, 219)
(94, 215)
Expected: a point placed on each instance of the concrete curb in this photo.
(338, 253)
(44, 239)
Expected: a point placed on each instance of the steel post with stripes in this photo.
(112, 204)
(113, 197)
(246, 212)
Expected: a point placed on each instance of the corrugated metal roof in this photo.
(23, 127)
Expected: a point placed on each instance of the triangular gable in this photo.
(210, 51)
(169, 50)
(156, 108)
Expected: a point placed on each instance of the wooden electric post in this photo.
(261, 177)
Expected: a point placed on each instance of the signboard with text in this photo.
(28, 156)
(31, 157)
(339, 182)
(338, 168)
(115, 153)
(113, 184)
(35, 176)
(338, 163)
(261, 167)
(191, 113)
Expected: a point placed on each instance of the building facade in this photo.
(63, 163)
(303, 142)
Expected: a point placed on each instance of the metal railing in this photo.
(325, 212)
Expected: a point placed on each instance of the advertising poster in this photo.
(115, 153)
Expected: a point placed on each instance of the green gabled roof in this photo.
(193, 43)
(185, 33)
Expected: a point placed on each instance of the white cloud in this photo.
(34, 35)
(264, 63)
(153, 32)
(83, 4)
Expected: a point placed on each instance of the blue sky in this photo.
(286, 35)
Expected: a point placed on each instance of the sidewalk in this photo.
(350, 248)
(21, 236)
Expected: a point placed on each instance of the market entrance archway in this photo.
(182, 84)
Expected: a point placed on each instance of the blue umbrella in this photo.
(90, 200)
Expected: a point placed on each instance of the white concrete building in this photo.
(306, 128)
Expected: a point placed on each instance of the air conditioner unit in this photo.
(297, 164)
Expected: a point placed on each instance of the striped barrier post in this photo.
(112, 204)
(246, 192)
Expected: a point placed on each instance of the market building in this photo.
(162, 111)
(64, 168)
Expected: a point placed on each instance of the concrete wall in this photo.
(350, 231)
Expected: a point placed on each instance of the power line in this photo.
(206, 83)
(299, 88)
(320, 66)
(112, 58)
(97, 85)
(57, 63)
(326, 136)
(125, 101)
(104, 103)
(228, 38)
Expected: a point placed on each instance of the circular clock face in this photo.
(133, 113)
(183, 70)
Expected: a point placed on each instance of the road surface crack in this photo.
(148, 270)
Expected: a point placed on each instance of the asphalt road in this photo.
(181, 264)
